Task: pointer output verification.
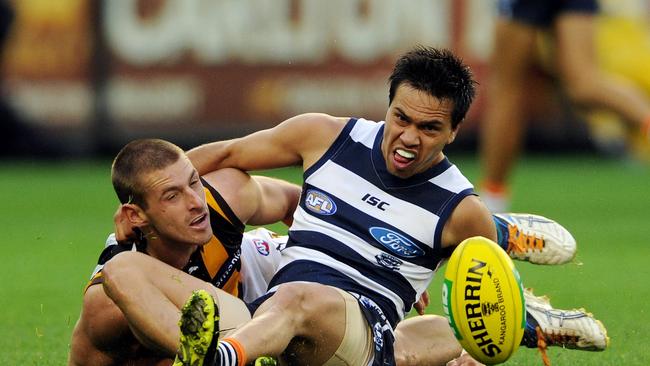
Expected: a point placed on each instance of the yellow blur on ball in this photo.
(483, 299)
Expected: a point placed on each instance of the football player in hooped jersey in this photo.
(340, 248)
(193, 224)
(381, 207)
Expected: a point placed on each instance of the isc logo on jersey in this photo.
(395, 242)
(319, 203)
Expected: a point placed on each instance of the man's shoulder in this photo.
(320, 118)
(227, 190)
(226, 184)
(469, 218)
(325, 123)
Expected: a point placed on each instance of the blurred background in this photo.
(81, 78)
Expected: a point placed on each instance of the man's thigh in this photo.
(357, 346)
(425, 340)
(330, 328)
(232, 312)
(153, 282)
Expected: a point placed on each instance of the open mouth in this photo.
(200, 220)
(403, 157)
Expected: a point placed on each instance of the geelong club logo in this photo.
(388, 261)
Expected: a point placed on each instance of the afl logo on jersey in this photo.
(319, 203)
(395, 242)
(262, 246)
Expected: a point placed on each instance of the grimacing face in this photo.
(418, 127)
(177, 210)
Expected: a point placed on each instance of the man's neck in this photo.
(176, 255)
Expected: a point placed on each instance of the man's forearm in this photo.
(209, 157)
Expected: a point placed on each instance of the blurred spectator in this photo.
(16, 137)
(623, 48)
(572, 26)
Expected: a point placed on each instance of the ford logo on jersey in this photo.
(396, 243)
(319, 203)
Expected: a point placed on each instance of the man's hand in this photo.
(422, 303)
(124, 231)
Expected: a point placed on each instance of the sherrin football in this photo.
(483, 299)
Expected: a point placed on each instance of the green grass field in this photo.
(55, 218)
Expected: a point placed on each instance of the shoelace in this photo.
(520, 242)
(542, 346)
(543, 341)
(563, 340)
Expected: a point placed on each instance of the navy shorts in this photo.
(542, 13)
(382, 332)
(253, 305)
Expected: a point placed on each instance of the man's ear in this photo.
(134, 215)
(454, 132)
(452, 137)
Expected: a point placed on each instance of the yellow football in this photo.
(483, 299)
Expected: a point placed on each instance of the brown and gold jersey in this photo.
(217, 262)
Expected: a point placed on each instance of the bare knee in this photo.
(314, 315)
(583, 84)
(579, 92)
(290, 299)
(120, 271)
(307, 304)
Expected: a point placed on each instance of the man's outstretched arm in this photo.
(299, 140)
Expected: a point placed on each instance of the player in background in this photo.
(622, 49)
(515, 42)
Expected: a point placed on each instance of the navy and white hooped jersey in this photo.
(366, 231)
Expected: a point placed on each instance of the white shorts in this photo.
(260, 250)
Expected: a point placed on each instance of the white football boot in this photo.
(574, 329)
(538, 239)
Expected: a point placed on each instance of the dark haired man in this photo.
(381, 208)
